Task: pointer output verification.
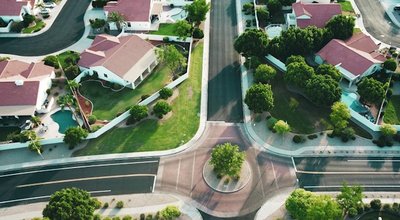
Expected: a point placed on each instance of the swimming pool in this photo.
(179, 15)
(351, 100)
(64, 120)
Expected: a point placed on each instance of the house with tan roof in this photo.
(355, 58)
(138, 14)
(14, 10)
(312, 14)
(23, 87)
(125, 60)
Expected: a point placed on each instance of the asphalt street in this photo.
(99, 178)
(378, 23)
(224, 85)
(67, 29)
(328, 174)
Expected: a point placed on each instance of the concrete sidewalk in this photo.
(134, 205)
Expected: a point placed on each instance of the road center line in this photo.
(273, 171)
(374, 160)
(78, 167)
(364, 186)
(83, 179)
(44, 197)
(350, 172)
(193, 166)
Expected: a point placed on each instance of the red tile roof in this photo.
(319, 14)
(15, 69)
(116, 57)
(132, 10)
(12, 95)
(356, 54)
(11, 7)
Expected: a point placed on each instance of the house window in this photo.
(105, 75)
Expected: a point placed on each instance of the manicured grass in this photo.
(62, 56)
(166, 29)
(152, 135)
(356, 30)
(5, 131)
(107, 104)
(39, 25)
(346, 6)
(392, 111)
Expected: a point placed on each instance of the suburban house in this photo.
(14, 10)
(355, 58)
(125, 60)
(138, 14)
(308, 14)
(316, 1)
(23, 87)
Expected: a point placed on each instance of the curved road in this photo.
(67, 29)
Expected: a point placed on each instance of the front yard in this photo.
(153, 135)
(37, 27)
(392, 111)
(107, 104)
(346, 7)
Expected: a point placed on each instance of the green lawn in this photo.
(356, 30)
(62, 56)
(107, 104)
(392, 111)
(346, 7)
(166, 29)
(39, 25)
(5, 131)
(152, 135)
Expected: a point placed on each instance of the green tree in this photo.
(262, 15)
(74, 135)
(264, 74)
(274, 6)
(390, 64)
(329, 70)
(341, 26)
(170, 212)
(183, 29)
(227, 159)
(387, 130)
(197, 11)
(117, 18)
(71, 204)
(252, 42)
(36, 146)
(287, 2)
(340, 116)
(298, 74)
(281, 127)
(138, 112)
(295, 59)
(36, 121)
(371, 90)
(259, 98)
(296, 41)
(350, 197)
(320, 37)
(172, 58)
(323, 90)
(161, 108)
(165, 93)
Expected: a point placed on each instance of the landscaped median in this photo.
(153, 134)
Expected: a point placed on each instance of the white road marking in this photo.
(191, 183)
(77, 167)
(43, 197)
(373, 160)
(154, 184)
(177, 176)
(350, 172)
(273, 171)
(364, 186)
(82, 179)
(224, 138)
(294, 165)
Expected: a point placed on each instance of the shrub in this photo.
(17, 27)
(97, 217)
(28, 19)
(198, 33)
(71, 72)
(97, 23)
(142, 216)
(105, 205)
(264, 73)
(387, 208)
(252, 62)
(107, 218)
(367, 207)
(137, 113)
(165, 93)
(161, 108)
(360, 209)
(99, 3)
(149, 217)
(352, 212)
(389, 93)
(51, 61)
(116, 218)
(271, 123)
(298, 139)
(143, 97)
(376, 204)
(312, 136)
(92, 119)
(165, 39)
(127, 217)
(120, 205)
(170, 212)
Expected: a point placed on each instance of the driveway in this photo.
(377, 22)
(224, 85)
(67, 29)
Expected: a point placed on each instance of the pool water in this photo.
(180, 15)
(64, 120)
(351, 100)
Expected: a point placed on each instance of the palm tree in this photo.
(67, 100)
(36, 121)
(117, 18)
(73, 84)
(35, 145)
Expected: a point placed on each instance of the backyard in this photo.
(346, 7)
(107, 104)
(166, 29)
(62, 57)
(392, 111)
(153, 135)
(5, 131)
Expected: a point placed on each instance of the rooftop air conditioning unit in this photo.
(19, 82)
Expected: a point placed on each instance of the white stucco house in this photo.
(14, 10)
(138, 14)
(23, 87)
(125, 60)
(355, 58)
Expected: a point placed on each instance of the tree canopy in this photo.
(264, 74)
(390, 64)
(323, 90)
(340, 116)
(274, 6)
(329, 70)
(298, 73)
(295, 59)
(281, 127)
(183, 29)
(226, 159)
(262, 14)
(252, 42)
(71, 204)
(172, 58)
(350, 197)
(74, 136)
(287, 2)
(161, 108)
(371, 90)
(341, 26)
(259, 98)
(138, 112)
(197, 11)
(387, 130)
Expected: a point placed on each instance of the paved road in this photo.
(224, 86)
(328, 174)
(67, 29)
(100, 178)
(377, 22)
